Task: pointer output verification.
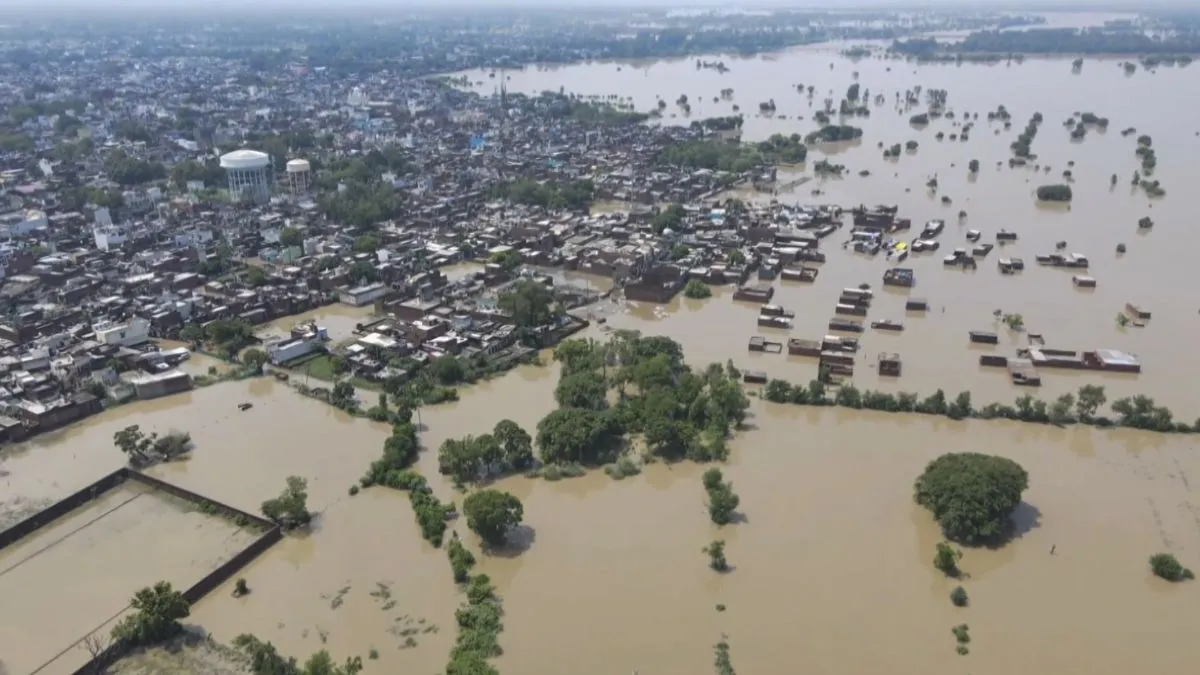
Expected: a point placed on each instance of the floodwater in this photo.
(934, 347)
(831, 553)
(338, 318)
(79, 573)
(832, 560)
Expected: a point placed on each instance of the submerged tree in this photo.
(492, 514)
(971, 495)
(156, 614)
(290, 508)
(716, 555)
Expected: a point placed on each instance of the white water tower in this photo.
(299, 173)
(249, 174)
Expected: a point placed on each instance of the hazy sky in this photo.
(232, 8)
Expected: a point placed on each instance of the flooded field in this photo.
(77, 574)
(934, 347)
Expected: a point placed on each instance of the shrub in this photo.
(959, 596)
(716, 556)
(1054, 193)
(946, 559)
(1166, 566)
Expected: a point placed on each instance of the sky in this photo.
(227, 8)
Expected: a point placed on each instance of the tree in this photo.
(973, 166)
(290, 508)
(134, 443)
(716, 555)
(290, 236)
(254, 360)
(1091, 397)
(367, 243)
(263, 658)
(585, 389)
(579, 355)
(722, 501)
(697, 290)
(192, 333)
(958, 596)
(343, 396)
(492, 515)
(508, 260)
(971, 495)
(156, 614)
(736, 257)
(363, 272)
(1054, 193)
(515, 443)
(945, 558)
(578, 435)
(255, 276)
(465, 460)
(1166, 566)
(528, 303)
(1060, 410)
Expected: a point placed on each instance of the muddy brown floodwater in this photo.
(832, 562)
(832, 565)
(934, 348)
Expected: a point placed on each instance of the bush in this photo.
(971, 495)
(697, 290)
(946, 559)
(1054, 193)
(961, 633)
(959, 596)
(1166, 566)
(461, 560)
(716, 556)
(156, 615)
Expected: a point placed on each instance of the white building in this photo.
(286, 351)
(363, 295)
(109, 237)
(126, 334)
(24, 223)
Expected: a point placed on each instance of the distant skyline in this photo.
(232, 8)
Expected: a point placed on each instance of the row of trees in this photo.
(1138, 412)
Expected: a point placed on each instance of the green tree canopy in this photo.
(971, 495)
(528, 302)
(585, 389)
(492, 515)
(290, 508)
(156, 614)
(578, 435)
